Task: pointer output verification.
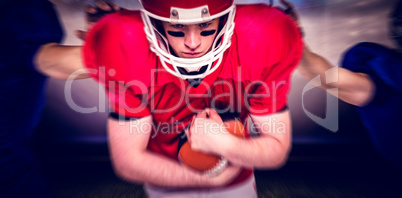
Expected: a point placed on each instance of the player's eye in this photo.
(177, 26)
(204, 25)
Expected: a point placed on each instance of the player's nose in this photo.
(192, 39)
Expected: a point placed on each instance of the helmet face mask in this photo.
(187, 12)
(191, 41)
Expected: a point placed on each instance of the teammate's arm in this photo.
(128, 147)
(354, 88)
(59, 61)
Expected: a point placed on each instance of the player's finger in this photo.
(113, 6)
(188, 134)
(202, 114)
(103, 6)
(290, 10)
(90, 9)
(286, 3)
(190, 129)
(80, 34)
(213, 115)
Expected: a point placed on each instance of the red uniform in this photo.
(253, 78)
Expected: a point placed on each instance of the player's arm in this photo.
(133, 162)
(354, 88)
(269, 150)
(59, 61)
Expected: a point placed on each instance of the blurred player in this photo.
(174, 59)
(369, 78)
(26, 26)
(30, 52)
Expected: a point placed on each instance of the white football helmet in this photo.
(188, 12)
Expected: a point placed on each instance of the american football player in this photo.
(173, 59)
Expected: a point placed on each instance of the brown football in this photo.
(208, 163)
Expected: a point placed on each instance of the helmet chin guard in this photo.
(160, 46)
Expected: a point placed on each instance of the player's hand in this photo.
(94, 13)
(207, 133)
(290, 11)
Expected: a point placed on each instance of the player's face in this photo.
(191, 41)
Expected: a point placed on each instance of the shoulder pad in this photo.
(117, 44)
(267, 34)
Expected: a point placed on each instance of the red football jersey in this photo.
(253, 78)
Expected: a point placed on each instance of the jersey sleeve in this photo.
(382, 64)
(117, 55)
(269, 54)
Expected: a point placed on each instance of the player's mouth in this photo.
(192, 54)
